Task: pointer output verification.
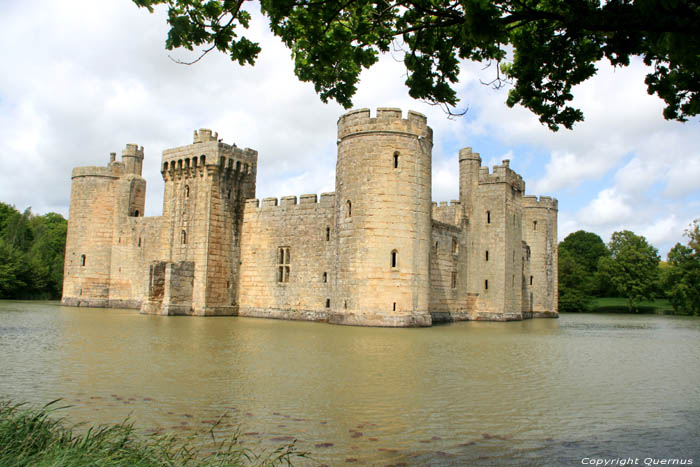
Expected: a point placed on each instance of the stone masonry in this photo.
(376, 252)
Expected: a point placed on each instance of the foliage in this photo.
(632, 267)
(682, 277)
(579, 280)
(31, 253)
(555, 44)
(574, 280)
(31, 436)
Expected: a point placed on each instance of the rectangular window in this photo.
(488, 217)
(486, 284)
(283, 264)
(454, 280)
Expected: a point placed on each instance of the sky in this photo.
(82, 78)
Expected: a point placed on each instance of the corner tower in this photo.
(540, 233)
(383, 219)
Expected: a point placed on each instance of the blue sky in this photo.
(83, 78)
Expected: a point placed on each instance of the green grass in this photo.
(619, 305)
(37, 437)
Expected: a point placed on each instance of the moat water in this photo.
(538, 392)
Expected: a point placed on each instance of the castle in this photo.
(376, 252)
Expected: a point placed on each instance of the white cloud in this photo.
(88, 77)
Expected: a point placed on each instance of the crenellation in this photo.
(376, 252)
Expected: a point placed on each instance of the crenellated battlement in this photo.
(448, 213)
(546, 202)
(501, 174)
(208, 155)
(132, 150)
(204, 135)
(387, 120)
(466, 154)
(305, 202)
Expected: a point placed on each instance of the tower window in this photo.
(486, 284)
(328, 234)
(454, 280)
(82, 260)
(348, 206)
(325, 277)
(202, 160)
(394, 306)
(394, 258)
(187, 191)
(136, 213)
(328, 303)
(139, 242)
(487, 255)
(283, 264)
(436, 246)
(183, 237)
(455, 246)
(531, 280)
(396, 160)
(488, 217)
(534, 226)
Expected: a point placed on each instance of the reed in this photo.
(39, 436)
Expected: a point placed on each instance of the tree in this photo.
(31, 254)
(682, 277)
(632, 267)
(555, 44)
(573, 283)
(579, 254)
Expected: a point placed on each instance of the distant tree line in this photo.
(31, 254)
(628, 266)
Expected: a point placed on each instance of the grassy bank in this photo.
(39, 437)
(619, 305)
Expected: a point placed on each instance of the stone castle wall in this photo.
(376, 252)
(287, 258)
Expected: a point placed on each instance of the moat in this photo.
(536, 392)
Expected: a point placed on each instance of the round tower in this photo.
(90, 236)
(383, 219)
(540, 234)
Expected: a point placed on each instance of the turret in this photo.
(132, 156)
(383, 219)
(469, 165)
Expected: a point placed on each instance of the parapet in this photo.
(113, 171)
(447, 213)
(501, 174)
(546, 202)
(208, 153)
(132, 150)
(466, 154)
(387, 120)
(204, 135)
(306, 202)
